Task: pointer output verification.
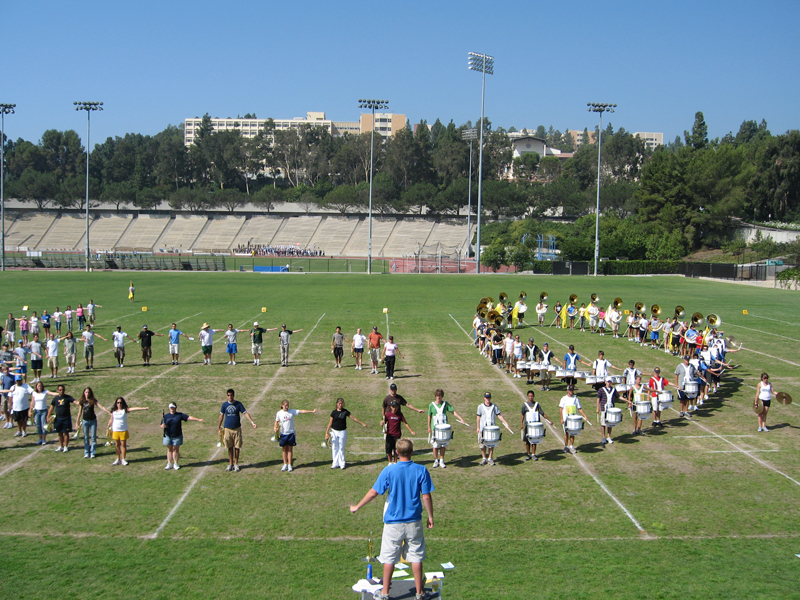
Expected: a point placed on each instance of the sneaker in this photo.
(766, 429)
(58, 449)
(236, 468)
(566, 448)
(535, 458)
(124, 463)
(24, 434)
(610, 441)
(283, 468)
(234, 363)
(229, 468)
(483, 461)
(572, 449)
(114, 464)
(680, 414)
(603, 442)
(528, 457)
(435, 463)
(760, 429)
(168, 467)
(18, 434)
(688, 416)
(229, 362)
(92, 456)
(491, 462)
(423, 596)
(441, 464)
(85, 455)
(378, 595)
(705, 397)
(289, 469)
(66, 449)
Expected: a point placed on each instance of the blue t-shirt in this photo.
(46, 320)
(232, 410)
(406, 481)
(8, 381)
(172, 424)
(571, 361)
(175, 336)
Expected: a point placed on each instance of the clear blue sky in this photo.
(156, 63)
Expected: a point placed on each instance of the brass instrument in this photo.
(481, 305)
(221, 435)
(573, 298)
(79, 427)
(492, 315)
(50, 426)
(698, 319)
(503, 296)
(732, 340)
(639, 307)
(483, 312)
(680, 312)
(595, 297)
(500, 322)
(109, 437)
(523, 295)
(543, 297)
(655, 310)
(713, 321)
(617, 302)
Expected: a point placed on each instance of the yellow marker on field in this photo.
(263, 309)
(144, 309)
(24, 308)
(385, 310)
(626, 312)
(744, 312)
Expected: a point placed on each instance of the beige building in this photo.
(652, 140)
(387, 124)
(577, 137)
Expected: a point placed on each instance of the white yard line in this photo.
(581, 462)
(204, 470)
(773, 357)
(736, 451)
(706, 436)
(770, 319)
(22, 460)
(761, 331)
(741, 450)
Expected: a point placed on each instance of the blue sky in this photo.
(156, 63)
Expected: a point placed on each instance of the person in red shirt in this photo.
(394, 418)
(657, 384)
(375, 349)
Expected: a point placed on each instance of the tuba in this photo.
(617, 303)
(639, 307)
(543, 297)
(680, 312)
(573, 298)
(500, 322)
(697, 319)
(503, 296)
(713, 321)
(595, 297)
(655, 310)
(523, 295)
(483, 312)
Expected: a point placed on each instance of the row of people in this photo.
(25, 327)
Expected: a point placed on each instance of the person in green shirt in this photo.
(437, 415)
(257, 345)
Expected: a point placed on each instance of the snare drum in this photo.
(491, 436)
(615, 379)
(591, 380)
(622, 388)
(442, 434)
(691, 388)
(573, 424)
(552, 368)
(643, 409)
(561, 373)
(534, 431)
(613, 417)
(664, 400)
(582, 374)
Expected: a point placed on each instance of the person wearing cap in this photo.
(531, 413)
(171, 423)
(437, 415)
(606, 396)
(656, 385)
(393, 419)
(232, 347)
(569, 405)
(118, 340)
(88, 345)
(375, 349)
(337, 347)
(393, 396)
(230, 423)
(206, 336)
(175, 343)
(359, 339)
(257, 342)
(389, 356)
(20, 396)
(487, 411)
(145, 338)
(532, 354)
(284, 336)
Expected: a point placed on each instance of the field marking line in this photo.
(204, 470)
(581, 462)
(741, 450)
(761, 331)
(158, 329)
(771, 319)
(736, 451)
(21, 461)
(706, 436)
(773, 357)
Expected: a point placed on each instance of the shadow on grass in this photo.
(783, 426)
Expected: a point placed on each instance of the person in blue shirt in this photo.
(232, 430)
(175, 342)
(172, 424)
(410, 487)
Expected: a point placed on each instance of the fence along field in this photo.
(684, 513)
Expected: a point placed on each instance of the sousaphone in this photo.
(680, 312)
(617, 303)
(698, 319)
(713, 321)
(573, 298)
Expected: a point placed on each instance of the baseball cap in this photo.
(657, 370)
(530, 339)
(375, 327)
(144, 326)
(119, 326)
(17, 377)
(284, 325)
(487, 395)
(255, 324)
(172, 405)
(394, 403)
(571, 387)
(393, 386)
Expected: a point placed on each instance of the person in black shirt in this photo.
(63, 420)
(88, 414)
(395, 397)
(146, 338)
(337, 432)
(171, 423)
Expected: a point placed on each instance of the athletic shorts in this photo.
(392, 541)
(36, 364)
(509, 360)
(374, 354)
(21, 369)
(338, 352)
(147, 352)
(88, 351)
(391, 442)
(62, 424)
(21, 416)
(232, 438)
(206, 349)
(70, 359)
(654, 335)
(119, 352)
(256, 349)
(172, 441)
(52, 362)
(174, 348)
(231, 348)
(603, 420)
(766, 403)
(287, 439)
(120, 435)
(358, 350)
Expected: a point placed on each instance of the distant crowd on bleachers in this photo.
(278, 250)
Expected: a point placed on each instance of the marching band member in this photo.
(601, 320)
(437, 415)
(508, 352)
(571, 360)
(631, 372)
(605, 400)
(630, 321)
(600, 368)
(541, 311)
(521, 309)
(592, 311)
(519, 356)
(667, 329)
(476, 322)
(531, 413)
(637, 393)
(678, 341)
(690, 338)
(547, 358)
(655, 326)
(486, 414)
(657, 384)
(764, 392)
(684, 373)
(572, 312)
(557, 310)
(497, 348)
(582, 316)
(569, 405)
(644, 324)
(635, 327)
(532, 354)
(615, 317)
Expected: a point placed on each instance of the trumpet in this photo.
(543, 297)
(617, 302)
(573, 298)
(639, 307)
(655, 310)
(595, 297)
(713, 321)
(78, 428)
(109, 437)
(697, 319)
(680, 312)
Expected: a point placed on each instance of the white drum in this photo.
(622, 388)
(573, 424)
(613, 417)
(491, 436)
(552, 368)
(615, 379)
(534, 431)
(691, 388)
(561, 372)
(591, 380)
(442, 434)
(535, 366)
(664, 400)
(644, 409)
(582, 374)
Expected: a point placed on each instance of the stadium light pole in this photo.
(471, 135)
(88, 107)
(598, 108)
(5, 109)
(372, 105)
(484, 64)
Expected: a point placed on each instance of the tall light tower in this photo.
(88, 107)
(598, 108)
(471, 135)
(5, 109)
(484, 64)
(372, 105)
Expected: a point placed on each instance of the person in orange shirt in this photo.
(375, 349)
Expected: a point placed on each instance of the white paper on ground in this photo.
(365, 586)
(448, 565)
(399, 574)
(432, 574)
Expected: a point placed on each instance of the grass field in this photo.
(701, 509)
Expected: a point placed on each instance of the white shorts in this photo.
(654, 403)
(174, 348)
(393, 536)
(256, 348)
(593, 321)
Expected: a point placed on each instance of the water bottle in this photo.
(369, 571)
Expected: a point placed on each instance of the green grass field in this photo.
(717, 502)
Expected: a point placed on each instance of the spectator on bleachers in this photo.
(277, 250)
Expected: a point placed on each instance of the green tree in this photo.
(526, 166)
(493, 257)
(698, 138)
(35, 186)
(520, 257)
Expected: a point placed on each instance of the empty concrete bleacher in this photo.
(450, 236)
(382, 228)
(107, 229)
(258, 230)
(65, 234)
(144, 232)
(28, 229)
(181, 232)
(219, 234)
(297, 231)
(407, 237)
(333, 234)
